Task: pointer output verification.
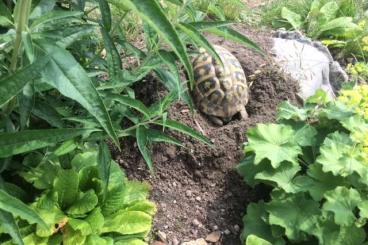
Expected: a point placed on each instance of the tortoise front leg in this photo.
(216, 120)
(243, 113)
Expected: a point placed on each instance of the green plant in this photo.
(325, 19)
(356, 98)
(315, 160)
(80, 195)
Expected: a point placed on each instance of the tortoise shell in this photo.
(220, 91)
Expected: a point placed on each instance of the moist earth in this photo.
(196, 187)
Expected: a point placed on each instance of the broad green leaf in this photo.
(128, 222)
(282, 176)
(248, 170)
(337, 155)
(84, 159)
(89, 179)
(131, 241)
(143, 206)
(183, 129)
(80, 225)
(254, 240)
(331, 234)
(255, 223)
(106, 14)
(65, 74)
(28, 140)
(96, 220)
(123, 195)
(306, 135)
(288, 111)
(12, 84)
(294, 19)
(72, 237)
(342, 203)
(142, 142)
(16, 207)
(98, 240)
(329, 10)
(33, 239)
(42, 176)
(66, 186)
(9, 224)
(85, 203)
(317, 183)
(136, 104)
(153, 14)
(341, 22)
(363, 209)
(274, 142)
(295, 213)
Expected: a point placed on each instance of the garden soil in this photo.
(196, 187)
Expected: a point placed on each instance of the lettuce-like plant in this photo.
(315, 159)
(82, 197)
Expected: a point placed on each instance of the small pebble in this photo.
(236, 228)
(227, 232)
(198, 198)
(196, 223)
(188, 193)
(215, 228)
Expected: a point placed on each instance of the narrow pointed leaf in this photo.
(70, 79)
(11, 227)
(205, 25)
(141, 135)
(237, 37)
(198, 38)
(106, 14)
(16, 207)
(153, 14)
(11, 85)
(28, 140)
(183, 129)
(136, 104)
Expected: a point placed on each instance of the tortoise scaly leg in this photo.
(243, 114)
(215, 120)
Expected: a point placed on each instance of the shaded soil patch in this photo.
(196, 187)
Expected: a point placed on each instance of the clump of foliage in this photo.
(315, 160)
(356, 98)
(338, 23)
(222, 9)
(77, 195)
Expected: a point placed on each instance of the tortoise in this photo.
(220, 91)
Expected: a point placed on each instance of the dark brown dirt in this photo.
(196, 187)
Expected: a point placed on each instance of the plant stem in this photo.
(21, 21)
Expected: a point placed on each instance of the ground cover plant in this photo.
(314, 159)
(77, 195)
